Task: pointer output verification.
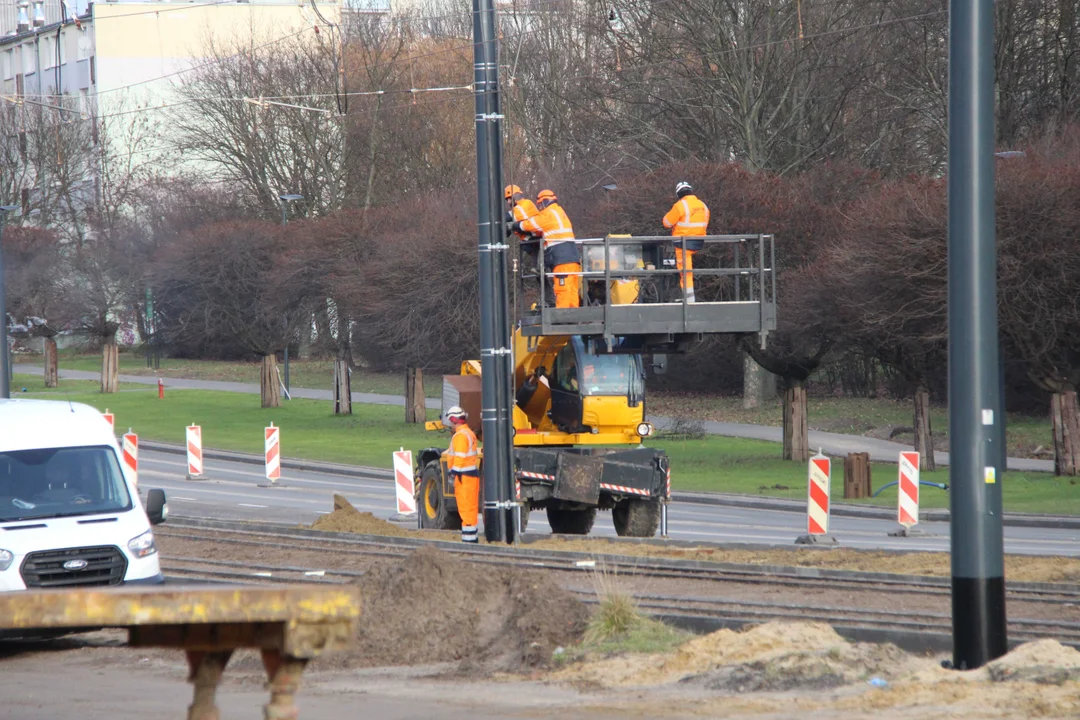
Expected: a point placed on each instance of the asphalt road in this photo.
(836, 444)
(231, 492)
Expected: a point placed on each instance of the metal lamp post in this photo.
(285, 200)
(5, 364)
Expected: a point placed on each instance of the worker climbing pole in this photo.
(496, 362)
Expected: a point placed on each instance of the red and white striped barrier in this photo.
(624, 489)
(404, 483)
(130, 453)
(907, 511)
(273, 453)
(817, 514)
(194, 452)
(109, 418)
(535, 476)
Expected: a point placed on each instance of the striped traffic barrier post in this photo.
(272, 437)
(664, 504)
(404, 484)
(109, 418)
(194, 452)
(130, 452)
(817, 503)
(907, 502)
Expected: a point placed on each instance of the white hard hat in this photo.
(683, 185)
(456, 413)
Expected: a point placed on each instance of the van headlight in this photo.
(6, 556)
(644, 429)
(142, 545)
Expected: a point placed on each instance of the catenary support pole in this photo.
(5, 357)
(975, 402)
(495, 351)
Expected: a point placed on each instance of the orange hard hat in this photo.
(546, 195)
(511, 191)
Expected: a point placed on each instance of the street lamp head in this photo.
(290, 197)
(1006, 154)
(610, 186)
(8, 208)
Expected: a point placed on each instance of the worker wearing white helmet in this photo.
(464, 464)
(688, 217)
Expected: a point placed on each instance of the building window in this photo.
(9, 64)
(93, 73)
(47, 60)
(28, 59)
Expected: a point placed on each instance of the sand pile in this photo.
(776, 670)
(431, 607)
(346, 518)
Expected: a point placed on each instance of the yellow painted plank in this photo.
(126, 607)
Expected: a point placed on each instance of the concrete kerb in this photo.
(1056, 522)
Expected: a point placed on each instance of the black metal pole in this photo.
(978, 575)
(5, 387)
(495, 351)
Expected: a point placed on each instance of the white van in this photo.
(70, 515)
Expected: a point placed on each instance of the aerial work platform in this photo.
(631, 296)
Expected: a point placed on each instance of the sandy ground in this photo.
(772, 672)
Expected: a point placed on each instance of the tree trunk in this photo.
(110, 370)
(796, 434)
(304, 339)
(415, 407)
(342, 388)
(269, 384)
(924, 435)
(759, 385)
(1066, 420)
(52, 374)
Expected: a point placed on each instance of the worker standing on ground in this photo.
(688, 217)
(561, 256)
(464, 464)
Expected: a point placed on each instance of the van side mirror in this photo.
(157, 509)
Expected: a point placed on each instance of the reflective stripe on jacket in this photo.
(558, 234)
(524, 209)
(464, 457)
(688, 217)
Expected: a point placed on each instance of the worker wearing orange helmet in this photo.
(561, 255)
(518, 207)
(463, 461)
(688, 217)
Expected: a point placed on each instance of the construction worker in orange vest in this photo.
(561, 257)
(688, 217)
(463, 460)
(518, 207)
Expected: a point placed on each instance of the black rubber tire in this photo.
(570, 522)
(434, 515)
(636, 517)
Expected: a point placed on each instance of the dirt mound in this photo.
(1042, 661)
(431, 607)
(346, 518)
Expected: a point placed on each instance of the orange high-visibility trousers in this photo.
(567, 287)
(467, 494)
(686, 259)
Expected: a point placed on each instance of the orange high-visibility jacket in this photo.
(688, 217)
(464, 457)
(524, 209)
(558, 233)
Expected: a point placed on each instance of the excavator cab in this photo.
(591, 388)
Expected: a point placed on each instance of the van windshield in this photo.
(59, 482)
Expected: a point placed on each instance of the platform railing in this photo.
(752, 271)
